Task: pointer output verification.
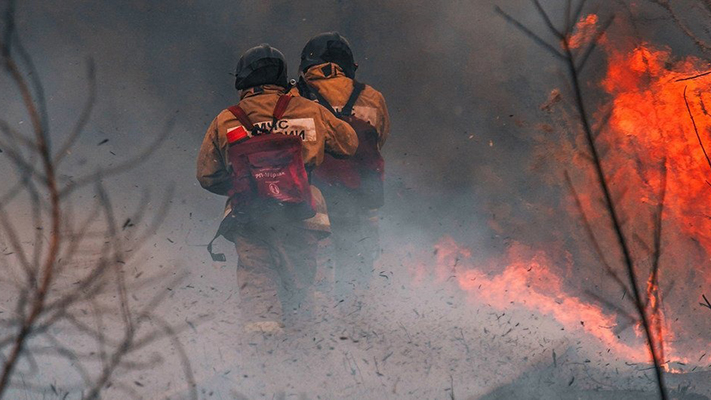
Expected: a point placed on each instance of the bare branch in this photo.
(184, 359)
(706, 303)
(123, 167)
(696, 129)
(547, 20)
(591, 236)
(619, 310)
(701, 44)
(36, 311)
(693, 77)
(577, 13)
(582, 61)
(615, 221)
(16, 136)
(85, 114)
(529, 33)
(14, 238)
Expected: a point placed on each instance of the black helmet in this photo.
(328, 47)
(261, 65)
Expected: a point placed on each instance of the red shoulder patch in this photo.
(236, 134)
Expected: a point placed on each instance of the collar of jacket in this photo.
(323, 71)
(257, 90)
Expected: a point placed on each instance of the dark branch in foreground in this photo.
(75, 262)
(574, 65)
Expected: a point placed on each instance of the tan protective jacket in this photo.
(336, 88)
(320, 130)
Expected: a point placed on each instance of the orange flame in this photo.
(650, 143)
(585, 32)
(527, 281)
(650, 120)
(649, 131)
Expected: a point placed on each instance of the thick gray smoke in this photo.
(464, 91)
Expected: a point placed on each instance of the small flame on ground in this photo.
(649, 140)
(528, 282)
(658, 136)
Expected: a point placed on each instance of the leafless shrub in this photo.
(646, 307)
(67, 270)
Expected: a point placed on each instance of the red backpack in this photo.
(360, 176)
(268, 171)
(268, 166)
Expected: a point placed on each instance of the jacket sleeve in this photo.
(213, 171)
(383, 127)
(341, 139)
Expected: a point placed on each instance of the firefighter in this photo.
(276, 248)
(327, 75)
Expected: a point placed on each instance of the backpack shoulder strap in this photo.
(322, 100)
(357, 89)
(238, 112)
(281, 105)
(304, 89)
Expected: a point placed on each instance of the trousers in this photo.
(275, 271)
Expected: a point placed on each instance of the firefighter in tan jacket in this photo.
(277, 253)
(328, 73)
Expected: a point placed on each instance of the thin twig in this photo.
(530, 33)
(591, 235)
(582, 60)
(693, 77)
(696, 129)
(700, 43)
(36, 313)
(547, 20)
(85, 114)
(184, 359)
(55, 232)
(654, 298)
(615, 220)
(122, 167)
(576, 15)
(707, 304)
(619, 310)
(658, 225)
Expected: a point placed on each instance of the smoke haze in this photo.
(474, 177)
